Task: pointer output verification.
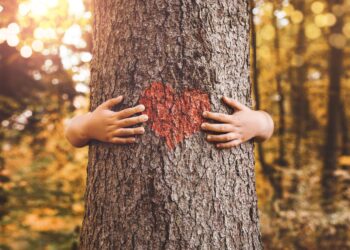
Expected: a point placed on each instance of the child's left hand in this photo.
(243, 125)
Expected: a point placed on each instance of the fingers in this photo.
(127, 122)
(223, 137)
(119, 133)
(129, 111)
(121, 140)
(222, 128)
(217, 116)
(234, 104)
(229, 144)
(129, 131)
(111, 102)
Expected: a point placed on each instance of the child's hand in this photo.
(105, 125)
(109, 126)
(239, 127)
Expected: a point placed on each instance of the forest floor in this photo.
(297, 220)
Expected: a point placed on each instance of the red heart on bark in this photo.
(174, 116)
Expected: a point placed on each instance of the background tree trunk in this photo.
(345, 147)
(299, 105)
(281, 159)
(164, 192)
(328, 179)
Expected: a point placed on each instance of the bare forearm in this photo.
(76, 131)
(266, 127)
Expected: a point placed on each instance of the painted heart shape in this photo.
(174, 116)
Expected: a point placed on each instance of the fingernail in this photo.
(208, 137)
(141, 107)
(203, 125)
(205, 113)
(145, 117)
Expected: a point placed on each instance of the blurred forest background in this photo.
(300, 75)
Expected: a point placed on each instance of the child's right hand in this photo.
(106, 125)
(109, 126)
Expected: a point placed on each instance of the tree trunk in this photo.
(299, 93)
(328, 180)
(172, 189)
(345, 143)
(281, 160)
(299, 104)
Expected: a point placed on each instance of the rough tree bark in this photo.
(172, 189)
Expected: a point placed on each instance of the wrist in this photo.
(265, 127)
(85, 126)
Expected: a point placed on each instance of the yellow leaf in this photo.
(344, 160)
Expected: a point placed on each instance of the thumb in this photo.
(234, 104)
(111, 102)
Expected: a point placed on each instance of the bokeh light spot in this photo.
(346, 30)
(337, 40)
(12, 40)
(297, 17)
(317, 7)
(85, 56)
(312, 31)
(13, 28)
(37, 45)
(26, 51)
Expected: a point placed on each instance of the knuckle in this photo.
(130, 111)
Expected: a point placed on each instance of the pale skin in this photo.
(230, 130)
(105, 125)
